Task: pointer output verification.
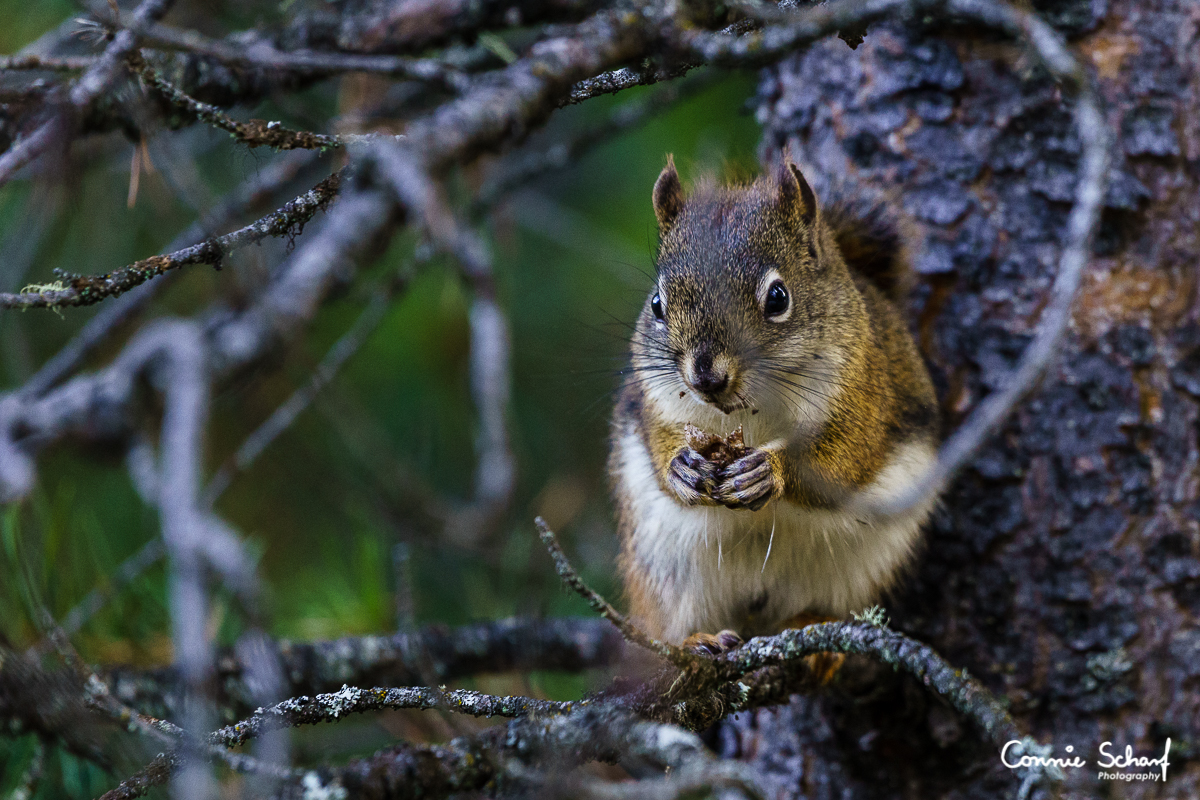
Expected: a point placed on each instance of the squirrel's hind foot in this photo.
(712, 644)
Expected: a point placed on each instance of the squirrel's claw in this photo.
(710, 644)
(748, 482)
(692, 477)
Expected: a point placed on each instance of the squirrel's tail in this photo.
(869, 234)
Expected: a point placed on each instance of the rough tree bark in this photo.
(1063, 568)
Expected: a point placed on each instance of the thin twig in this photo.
(255, 133)
(648, 73)
(94, 82)
(287, 413)
(676, 655)
(83, 290)
(350, 700)
(28, 148)
(254, 193)
(991, 414)
(129, 571)
(51, 63)
(264, 56)
(618, 80)
(400, 659)
(184, 532)
(532, 162)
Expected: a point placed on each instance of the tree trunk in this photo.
(1064, 569)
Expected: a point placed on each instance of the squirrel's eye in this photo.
(777, 300)
(656, 306)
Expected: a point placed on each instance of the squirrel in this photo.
(775, 318)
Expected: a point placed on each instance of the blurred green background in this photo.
(574, 252)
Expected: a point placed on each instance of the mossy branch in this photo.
(965, 694)
(255, 133)
(85, 290)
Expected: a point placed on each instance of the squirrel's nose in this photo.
(708, 377)
(710, 382)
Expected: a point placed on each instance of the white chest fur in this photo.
(708, 566)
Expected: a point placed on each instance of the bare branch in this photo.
(333, 706)
(254, 193)
(990, 415)
(315, 64)
(620, 79)
(185, 535)
(490, 341)
(156, 773)
(648, 73)
(568, 645)
(529, 164)
(554, 744)
(53, 64)
(94, 82)
(491, 380)
(256, 133)
(51, 705)
(412, 27)
(28, 148)
(83, 290)
(525, 92)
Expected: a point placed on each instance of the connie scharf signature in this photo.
(1111, 764)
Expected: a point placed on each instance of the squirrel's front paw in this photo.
(692, 477)
(748, 482)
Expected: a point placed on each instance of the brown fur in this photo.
(842, 334)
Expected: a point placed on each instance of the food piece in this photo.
(720, 450)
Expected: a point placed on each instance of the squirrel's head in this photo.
(752, 300)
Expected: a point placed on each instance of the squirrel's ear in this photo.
(795, 194)
(668, 196)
